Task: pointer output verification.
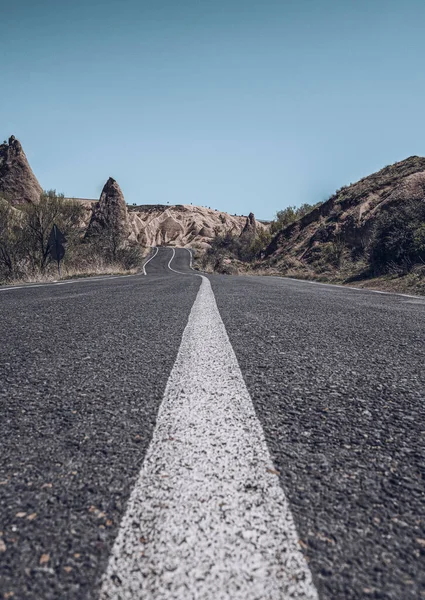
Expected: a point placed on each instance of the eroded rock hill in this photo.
(349, 215)
(175, 225)
(183, 225)
(18, 184)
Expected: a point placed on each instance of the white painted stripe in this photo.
(207, 519)
(66, 282)
(148, 261)
(171, 268)
(173, 253)
(191, 259)
(346, 287)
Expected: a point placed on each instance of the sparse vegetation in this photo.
(226, 249)
(370, 230)
(24, 248)
(289, 215)
(333, 252)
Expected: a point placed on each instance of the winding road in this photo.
(173, 436)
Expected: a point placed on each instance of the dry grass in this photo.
(93, 268)
(412, 283)
(72, 272)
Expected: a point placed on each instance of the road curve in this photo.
(86, 387)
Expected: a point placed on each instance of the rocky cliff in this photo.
(349, 215)
(18, 183)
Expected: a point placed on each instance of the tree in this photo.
(38, 220)
(289, 215)
(283, 218)
(10, 240)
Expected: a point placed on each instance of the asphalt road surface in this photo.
(168, 436)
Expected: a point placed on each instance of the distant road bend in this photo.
(173, 435)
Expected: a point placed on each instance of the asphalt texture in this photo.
(82, 373)
(207, 518)
(338, 382)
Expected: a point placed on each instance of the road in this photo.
(134, 404)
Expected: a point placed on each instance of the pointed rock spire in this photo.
(250, 228)
(18, 184)
(110, 213)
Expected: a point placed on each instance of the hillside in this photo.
(338, 234)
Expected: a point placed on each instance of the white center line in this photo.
(67, 282)
(171, 268)
(191, 258)
(207, 519)
(148, 261)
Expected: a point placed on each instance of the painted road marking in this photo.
(207, 518)
(148, 261)
(66, 282)
(171, 268)
(191, 258)
(346, 287)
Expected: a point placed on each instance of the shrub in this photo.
(38, 220)
(244, 248)
(130, 257)
(10, 241)
(291, 214)
(332, 252)
(25, 231)
(398, 238)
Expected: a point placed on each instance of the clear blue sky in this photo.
(241, 105)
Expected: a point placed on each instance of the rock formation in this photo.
(109, 214)
(250, 229)
(149, 225)
(18, 183)
(184, 225)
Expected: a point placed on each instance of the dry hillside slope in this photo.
(348, 217)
